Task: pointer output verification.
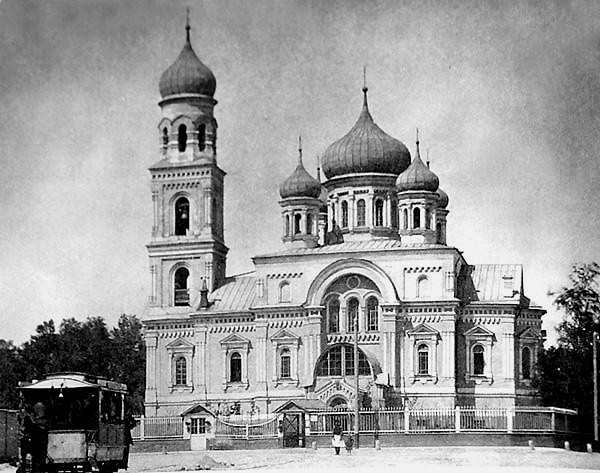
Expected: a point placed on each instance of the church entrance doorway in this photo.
(293, 429)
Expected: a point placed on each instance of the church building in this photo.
(365, 259)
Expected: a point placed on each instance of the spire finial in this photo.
(427, 157)
(365, 88)
(418, 154)
(300, 149)
(318, 168)
(187, 24)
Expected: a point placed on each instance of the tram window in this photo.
(110, 408)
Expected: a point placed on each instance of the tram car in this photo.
(82, 418)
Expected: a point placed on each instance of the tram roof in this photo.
(76, 380)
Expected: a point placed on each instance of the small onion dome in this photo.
(187, 75)
(300, 183)
(417, 177)
(365, 148)
(443, 200)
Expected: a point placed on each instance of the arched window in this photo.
(309, 224)
(339, 361)
(287, 225)
(405, 212)
(201, 136)
(181, 295)
(352, 310)
(394, 206)
(333, 315)
(344, 214)
(478, 360)
(182, 216)
(182, 138)
(165, 138)
(423, 359)
(284, 292)
(416, 217)
(526, 363)
(379, 213)
(427, 219)
(180, 371)
(285, 364)
(423, 287)
(361, 219)
(372, 314)
(297, 219)
(235, 368)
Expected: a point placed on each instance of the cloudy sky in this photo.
(506, 96)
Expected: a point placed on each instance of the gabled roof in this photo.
(284, 334)
(528, 333)
(234, 339)
(302, 405)
(478, 331)
(197, 409)
(179, 343)
(423, 329)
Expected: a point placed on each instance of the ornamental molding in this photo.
(180, 185)
(235, 341)
(284, 275)
(284, 336)
(284, 323)
(176, 334)
(423, 319)
(423, 269)
(480, 320)
(230, 329)
(365, 338)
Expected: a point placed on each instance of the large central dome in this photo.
(365, 148)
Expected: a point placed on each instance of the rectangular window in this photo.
(285, 366)
(423, 362)
(335, 363)
(449, 281)
(372, 323)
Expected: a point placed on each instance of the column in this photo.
(387, 216)
(351, 212)
(392, 357)
(151, 341)
(199, 362)
(208, 206)
(152, 284)
(369, 214)
(155, 213)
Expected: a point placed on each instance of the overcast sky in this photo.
(506, 95)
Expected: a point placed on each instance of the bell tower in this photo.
(186, 249)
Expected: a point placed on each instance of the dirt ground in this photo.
(407, 459)
(413, 459)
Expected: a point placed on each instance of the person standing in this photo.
(337, 441)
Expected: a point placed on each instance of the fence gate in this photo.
(293, 429)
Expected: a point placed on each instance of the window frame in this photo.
(361, 213)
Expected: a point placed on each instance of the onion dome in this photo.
(417, 177)
(300, 183)
(187, 75)
(365, 148)
(443, 200)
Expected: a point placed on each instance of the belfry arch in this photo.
(349, 266)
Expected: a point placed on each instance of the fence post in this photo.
(553, 421)
(247, 431)
(457, 419)
(406, 420)
(142, 427)
(509, 419)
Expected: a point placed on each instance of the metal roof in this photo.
(489, 283)
(346, 247)
(237, 294)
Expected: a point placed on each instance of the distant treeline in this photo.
(89, 347)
